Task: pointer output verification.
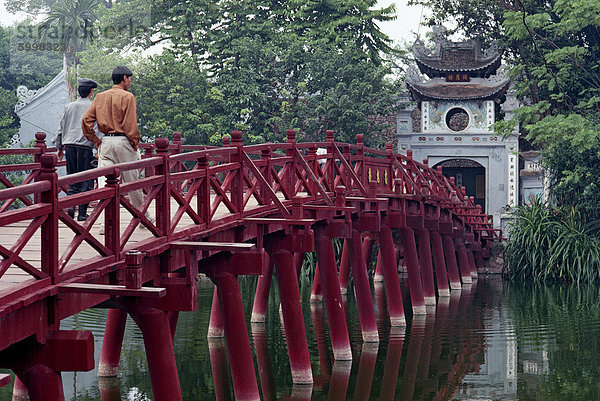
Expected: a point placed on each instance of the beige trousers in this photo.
(115, 150)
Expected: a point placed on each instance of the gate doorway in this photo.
(469, 174)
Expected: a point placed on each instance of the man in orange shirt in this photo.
(115, 112)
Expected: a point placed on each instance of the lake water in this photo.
(491, 341)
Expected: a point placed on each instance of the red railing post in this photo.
(314, 165)
(291, 176)
(112, 216)
(237, 186)
(203, 193)
(360, 158)
(265, 155)
(40, 144)
(390, 167)
(330, 175)
(148, 152)
(176, 149)
(163, 198)
(49, 229)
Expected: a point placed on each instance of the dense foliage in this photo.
(553, 243)
(259, 66)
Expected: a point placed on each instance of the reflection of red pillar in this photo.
(426, 266)
(236, 336)
(463, 263)
(344, 268)
(392, 364)
(362, 289)
(20, 391)
(415, 340)
(450, 256)
(112, 342)
(366, 369)
(301, 392)
(295, 332)
(391, 281)
(440, 264)
(336, 318)
(412, 268)
(43, 383)
(263, 360)
(109, 389)
(316, 313)
(215, 326)
(340, 376)
(218, 366)
(472, 266)
(158, 344)
(316, 294)
(261, 297)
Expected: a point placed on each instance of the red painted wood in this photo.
(295, 333)
(362, 289)
(426, 266)
(441, 274)
(413, 269)
(336, 318)
(390, 277)
(261, 296)
(112, 343)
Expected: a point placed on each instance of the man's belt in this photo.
(115, 134)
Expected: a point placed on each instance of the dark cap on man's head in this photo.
(122, 70)
(86, 82)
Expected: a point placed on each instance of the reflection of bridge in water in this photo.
(227, 212)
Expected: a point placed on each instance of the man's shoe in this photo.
(71, 212)
(82, 217)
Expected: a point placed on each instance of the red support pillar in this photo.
(261, 296)
(426, 266)
(236, 336)
(344, 268)
(451, 264)
(472, 266)
(378, 275)
(158, 343)
(391, 280)
(412, 268)
(43, 383)
(440, 264)
(338, 331)
(316, 294)
(362, 289)
(295, 332)
(463, 263)
(20, 392)
(215, 326)
(112, 343)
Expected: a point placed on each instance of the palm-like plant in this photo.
(71, 21)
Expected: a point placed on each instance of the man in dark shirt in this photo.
(71, 142)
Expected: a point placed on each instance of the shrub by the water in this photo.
(548, 243)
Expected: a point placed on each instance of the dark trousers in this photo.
(79, 159)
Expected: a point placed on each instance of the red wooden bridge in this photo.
(223, 212)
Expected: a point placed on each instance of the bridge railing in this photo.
(211, 187)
